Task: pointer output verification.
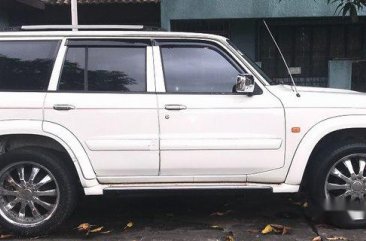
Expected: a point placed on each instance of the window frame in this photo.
(56, 54)
(200, 43)
(106, 43)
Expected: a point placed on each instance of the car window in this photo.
(110, 69)
(197, 69)
(26, 65)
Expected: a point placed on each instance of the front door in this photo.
(106, 98)
(207, 129)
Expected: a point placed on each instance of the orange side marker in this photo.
(295, 129)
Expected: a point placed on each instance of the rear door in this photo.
(105, 97)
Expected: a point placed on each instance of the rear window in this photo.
(104, 69)
(26, 65)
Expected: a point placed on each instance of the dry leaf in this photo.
(128, 225)
(276, 228)
(335, 238)
(97, 230)
(268, 229)
(229, 238)
(84, 227)
(216, 227)
(317, 238)
(5, 236)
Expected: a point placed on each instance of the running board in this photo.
(100, 189)
(276, 188)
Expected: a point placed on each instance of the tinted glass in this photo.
(26, 65)
(117, 69)
(197, 69)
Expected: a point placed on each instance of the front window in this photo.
(198, 69)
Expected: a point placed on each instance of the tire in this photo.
(321, 184)
(41, 207)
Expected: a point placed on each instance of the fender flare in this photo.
(61, 135)
(311, 139)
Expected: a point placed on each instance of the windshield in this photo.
(252, 63)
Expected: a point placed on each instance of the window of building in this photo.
(26, 65)
(104, 69)
(197, 69)
(309, 47)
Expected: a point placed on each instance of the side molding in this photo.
(312, 138)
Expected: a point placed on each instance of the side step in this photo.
(275, 188)
(183, 186)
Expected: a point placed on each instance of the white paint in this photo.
(74, 14)
(220, 144)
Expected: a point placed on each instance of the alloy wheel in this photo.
(29, 194)
(346, 180)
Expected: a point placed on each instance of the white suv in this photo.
(103, 111)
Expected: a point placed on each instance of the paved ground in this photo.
(194, 216)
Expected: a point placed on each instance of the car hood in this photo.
(318, 97)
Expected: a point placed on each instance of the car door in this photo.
(106, 98)
(207, 129)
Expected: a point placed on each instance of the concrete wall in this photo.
(340, 74)
(4, 21)
(231, 9)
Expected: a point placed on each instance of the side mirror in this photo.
(245, 84)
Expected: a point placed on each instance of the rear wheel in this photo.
(338, 184)
(37, 191)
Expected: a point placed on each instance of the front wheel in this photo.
(338, 183)
(37, 191)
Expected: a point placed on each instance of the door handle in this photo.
(175, 107)
(63, 107)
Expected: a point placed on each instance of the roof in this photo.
(67, 2)
(110, 34)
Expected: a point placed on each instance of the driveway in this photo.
(187, 215)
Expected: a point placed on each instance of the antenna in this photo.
(283, 58)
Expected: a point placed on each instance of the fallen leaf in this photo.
(6, 236)
(97, 230)
(230, 237)
(83, 227)
(268, 229)
(128, 225)
(335, 238)
(317, 238)
(276, 228)
(216, 227)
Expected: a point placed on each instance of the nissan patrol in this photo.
(128, 109)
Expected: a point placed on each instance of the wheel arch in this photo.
(48, 135)
(319, 136)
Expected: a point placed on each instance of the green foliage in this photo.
(345, 7)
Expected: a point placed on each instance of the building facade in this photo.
(322, 48)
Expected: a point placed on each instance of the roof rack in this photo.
(82, 27)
